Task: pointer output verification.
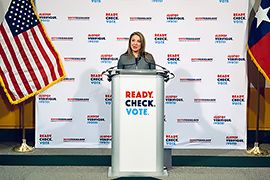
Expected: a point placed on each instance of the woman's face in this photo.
(135, 43)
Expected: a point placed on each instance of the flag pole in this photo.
(24, 147)
(256, 150)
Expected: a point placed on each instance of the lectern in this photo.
(137, 123)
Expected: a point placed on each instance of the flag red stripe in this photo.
(29, 66)
(6, 61)
(27, 63)
(19, 69)
(261, 53)
(4, 57)
(35, 57)
(44, 54)
(59, 68)
(17, 64)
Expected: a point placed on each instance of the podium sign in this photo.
(137, 124)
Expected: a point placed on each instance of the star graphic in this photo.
(261, 15)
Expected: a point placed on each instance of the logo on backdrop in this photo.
(173, 99)
(105, 139)
(78, 99)
(95, 38)
(189, 39)
(239, 18)
(233, 140)
(46, 98)
(111, 18)
(171, 139)
(107, 58)
(45, 138)
(140, 18)
(224, 1)
(157, 1)
(96, 1)
(46, 17)
(199, 141)
(222, 38)
(62, 119)
(204, 100)
(173, 58)
(139, 102)
(210, 59)
(206, 18)
(223, 79)
(74, 139)
(69, 79)
(94, 119)
(75, 59)
(192, 121)
(221, 120)
(67, 38)
(108, 99)
(238, 99)
(234, 59)
(96, 78)
(160, 38)
(122, 38)
(195, 80)
(78, 18)
(174, 18)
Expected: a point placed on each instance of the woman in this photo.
(135, 57)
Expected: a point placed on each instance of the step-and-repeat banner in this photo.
(203, 42)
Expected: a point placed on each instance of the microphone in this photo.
(167, 78)
(108, 69)
(137, 60)
(109, 76)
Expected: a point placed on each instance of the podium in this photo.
(137, 123)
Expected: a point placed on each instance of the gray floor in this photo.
(101, 172)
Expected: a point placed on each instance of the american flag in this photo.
(29, 63)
